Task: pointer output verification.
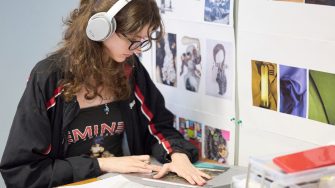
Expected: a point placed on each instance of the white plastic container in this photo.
(263, 173)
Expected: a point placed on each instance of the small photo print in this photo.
(166, 50)
(216, 144)
(192, 131)
(264, 84)
(219, 69)
(321, 97)
(293, 90)
(217, 11)
(321, 2)
(297, 1)
(172, 177)
(175, 125)
(190, 68)
(317, 2)
(165, 6)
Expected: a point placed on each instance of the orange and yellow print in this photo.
(264, 84)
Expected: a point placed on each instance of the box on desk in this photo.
(263, 173)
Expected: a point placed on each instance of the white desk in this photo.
(223, 180)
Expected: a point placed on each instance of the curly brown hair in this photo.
(85, 65)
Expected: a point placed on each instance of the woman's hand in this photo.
(127, 164)
(183, 167)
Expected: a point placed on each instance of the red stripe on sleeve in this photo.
(52, 101)
(152, 129)
(47, 151)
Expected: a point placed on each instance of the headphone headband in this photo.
(116, 8)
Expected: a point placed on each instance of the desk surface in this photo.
(83, 182)
(223, 180)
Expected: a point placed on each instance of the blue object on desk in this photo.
(209, 166)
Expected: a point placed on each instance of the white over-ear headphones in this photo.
(102, 24)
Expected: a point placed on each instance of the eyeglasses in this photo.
(136, 44)
(187, 54)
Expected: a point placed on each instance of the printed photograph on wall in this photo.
(187, 10)
(293, 90)
(165, 6)
(264, 84)
(321, 97)
(217, 11)
(190, 69)
(166, 50)
(192, 131)
(321, 2)
(297, 1)
(175, 124)
(215, 146)
(318, 2)
(218, 69)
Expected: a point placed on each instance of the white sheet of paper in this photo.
(112, 182)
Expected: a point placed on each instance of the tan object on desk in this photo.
(118, 181)
(82, 182)
(145, 179)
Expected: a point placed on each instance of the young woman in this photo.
(91, 107)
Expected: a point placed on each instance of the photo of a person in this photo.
(191, 61)
(166, 49)
(218, 69)
(221, 79)
(215, 145)
(165, 5)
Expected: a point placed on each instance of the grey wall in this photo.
(29, 30)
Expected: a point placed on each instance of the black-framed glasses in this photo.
(136, 44)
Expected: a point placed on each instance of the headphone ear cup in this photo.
(112, 26)
(99, 27)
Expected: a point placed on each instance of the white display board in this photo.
(208, 109)
(293, 42)
(194, 68)
(287, 34)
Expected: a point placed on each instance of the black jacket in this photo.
(34, 154)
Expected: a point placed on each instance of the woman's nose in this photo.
(137, 50)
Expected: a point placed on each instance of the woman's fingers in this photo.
(193, 176)
(189, 179)
(141, 163)
(142, 157)
(203, 174)
(164, 170)
(199, 176)
(198, 179)
(155, 168)
(126, 164)
(140, 170)
(140, 166)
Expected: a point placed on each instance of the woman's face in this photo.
(117, 45)
(219, 57)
